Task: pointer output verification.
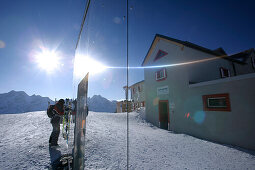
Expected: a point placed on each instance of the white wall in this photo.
(138, 96)
(235, 127)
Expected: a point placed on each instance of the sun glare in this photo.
(48, 60)
(84, 64)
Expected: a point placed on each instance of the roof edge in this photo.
(149, 49)
(193, 46)
(136, 83)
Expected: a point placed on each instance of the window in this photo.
(134, 90)
(160, 54)
(161, 75)
(224, 72)
(139, 88)
(216, 102)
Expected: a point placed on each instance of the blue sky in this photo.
(28, 25)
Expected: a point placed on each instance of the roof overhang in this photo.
(156, 39)
(180, 43)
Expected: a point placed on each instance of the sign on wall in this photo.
(162, 90)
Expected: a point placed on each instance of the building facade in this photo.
(201, 92)
(137, 94)
(121, 106)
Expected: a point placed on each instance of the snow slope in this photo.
(24, 145)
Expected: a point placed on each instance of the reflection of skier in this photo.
(58, 111)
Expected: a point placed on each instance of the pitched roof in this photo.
(136, 83)
(217, 52)
(243, 56)
(220, 51)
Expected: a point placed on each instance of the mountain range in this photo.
(98, 103)
(20, 102)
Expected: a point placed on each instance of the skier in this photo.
(58, 111)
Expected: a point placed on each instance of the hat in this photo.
(61, 101)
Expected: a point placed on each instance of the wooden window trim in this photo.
(164, 77)
(222, 69)
(225, 95)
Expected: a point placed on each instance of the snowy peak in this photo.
(97, 103)
(20, 102)
(14, 93)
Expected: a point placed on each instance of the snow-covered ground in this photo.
(24, 145)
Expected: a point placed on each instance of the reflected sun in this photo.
(84, 64)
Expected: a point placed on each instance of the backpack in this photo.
(50, 112)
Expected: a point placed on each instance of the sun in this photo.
(48, 60)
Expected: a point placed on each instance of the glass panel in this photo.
(217, 102)
(101, 51)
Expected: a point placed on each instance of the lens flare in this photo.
(84, 64)
(187, 115)
(199, 117)
(2, 44)
(156, 101)
(169, 65)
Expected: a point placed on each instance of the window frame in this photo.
(139, 88)
(222, 71)
(215, 108)
(134, 90)
(164, 74)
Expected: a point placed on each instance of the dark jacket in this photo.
(59, 111)
(59, 108)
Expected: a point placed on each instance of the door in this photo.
(163, 114)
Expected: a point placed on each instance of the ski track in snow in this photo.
(24, 145)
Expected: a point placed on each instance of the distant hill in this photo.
(20, 102)
(98, 103)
